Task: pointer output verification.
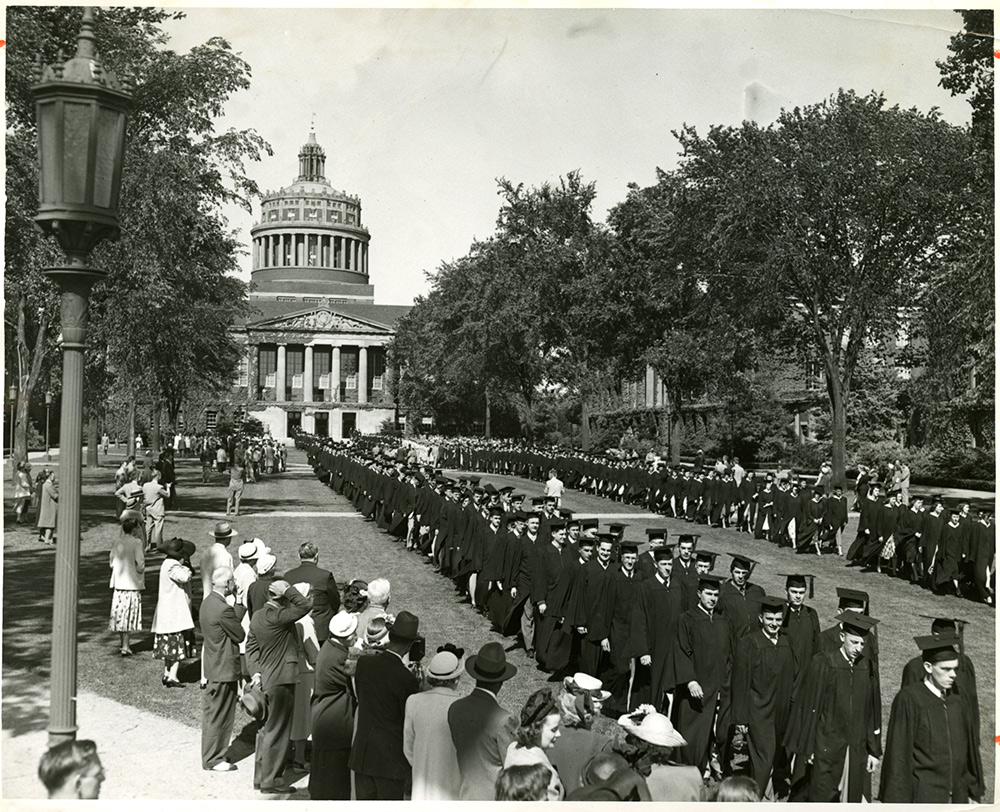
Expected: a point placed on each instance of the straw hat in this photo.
(654, 728)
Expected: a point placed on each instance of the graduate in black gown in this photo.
(931, 753)
(702, 661)
(835, 727)
(761, 689)
(739, 600)
(965, 677)
(659, 602)
(800, 622)
(685, 569)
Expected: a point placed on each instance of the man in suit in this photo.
(481, 730)
(384, 682)
(273, 662)
(326, 597)
(222, 634)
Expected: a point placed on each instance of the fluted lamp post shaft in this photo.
(81, 112)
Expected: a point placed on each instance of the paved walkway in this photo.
(170, 770)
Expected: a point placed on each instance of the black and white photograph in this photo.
(499, 403)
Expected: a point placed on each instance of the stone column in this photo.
(279, 375)
(307, 375)
(649, 387)
(335, 374)
(362, 375)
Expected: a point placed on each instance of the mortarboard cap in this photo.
(692, 537)
(557, 524)
(520, 516)
(617, 528)
(496, 511)
(657, 532)
(852, 596)
(629, 547)
(796, 579)
(707, 556)
(490, 488)
(709, 580)
(537, 501)
(547, 499)
(589, 524)
(856, 623)
(663, 554)
(948, 625)
(566, 513)
(771, 603)
(742, 561)
(985, 507)
(475, 480)
(606, 537)
(517, 497)
(506, 489)
(935, 648)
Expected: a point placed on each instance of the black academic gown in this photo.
(703, 654)
(931, 756)
(761, 689)
(965, 683)
(654, 626)
(836, 719)
(802, 628)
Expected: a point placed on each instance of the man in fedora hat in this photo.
(273, 662)
(426, 736)
(326, 596)
(384, 682)
(481, 729)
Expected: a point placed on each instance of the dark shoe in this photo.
(172, 683)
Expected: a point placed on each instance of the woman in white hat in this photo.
(333, 709)
(651, 739)
(578, 743)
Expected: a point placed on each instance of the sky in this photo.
(420, 111)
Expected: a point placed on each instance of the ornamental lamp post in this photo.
(81, 111)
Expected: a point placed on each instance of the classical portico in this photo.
(325, 371)
(315, 347)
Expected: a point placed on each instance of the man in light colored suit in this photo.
(273, 662)
(481, 730)
(427, 741)
(220, 657)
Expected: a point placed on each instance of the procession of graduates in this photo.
(749, 680)
(948, 551)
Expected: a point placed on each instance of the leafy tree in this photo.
(830, 219)
(160, 322)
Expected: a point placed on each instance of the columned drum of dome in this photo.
(310, 238)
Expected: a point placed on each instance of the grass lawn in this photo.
(353, 548)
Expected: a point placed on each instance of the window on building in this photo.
(267, 366)
(312, 299)
(376, 362)
(814, 375)
(286, 298)
(295, 363)
(243, 375)
(211, 420)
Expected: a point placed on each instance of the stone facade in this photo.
(316, 345)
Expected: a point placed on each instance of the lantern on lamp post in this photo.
(81, 111)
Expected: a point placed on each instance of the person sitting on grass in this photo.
(72, 771)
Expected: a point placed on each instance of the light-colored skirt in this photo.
(126, 611)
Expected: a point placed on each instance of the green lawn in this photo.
(353, 548)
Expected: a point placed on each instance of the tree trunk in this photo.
(154, 440)
(585, 422)
(93, 441)
(838, 427)
(131, 428)
(487, 421)
(29, 369)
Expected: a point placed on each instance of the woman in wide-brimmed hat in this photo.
(173, 626)
(539, 730)
(578, 743)
(649, 743)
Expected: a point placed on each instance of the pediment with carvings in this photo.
(321, 321)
